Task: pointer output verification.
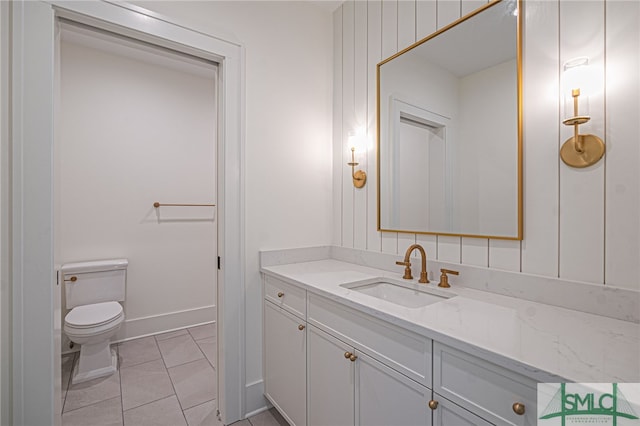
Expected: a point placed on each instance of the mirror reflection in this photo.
(449, 148)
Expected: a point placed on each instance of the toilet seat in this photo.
(94, 315)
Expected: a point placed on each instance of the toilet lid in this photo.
(93, 315)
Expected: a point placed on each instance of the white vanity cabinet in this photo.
(494, 393)
(285, 350)
(386, 397)
(368, 371)
(330, 364)
(347, 387)
(447, 413)
(330, 380)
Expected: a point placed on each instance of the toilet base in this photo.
(95, 361)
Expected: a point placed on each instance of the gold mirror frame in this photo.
(519, 26)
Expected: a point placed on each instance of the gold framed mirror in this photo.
(450, 129)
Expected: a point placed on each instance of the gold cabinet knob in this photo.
(433, 404)
(347, 355)
(518, 408)
(73, 279)
(301, 327)
(352, 358)
(280, 294)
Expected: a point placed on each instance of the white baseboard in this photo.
(155, 324)
(255, 401)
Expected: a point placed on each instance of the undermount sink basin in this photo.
(409, 295)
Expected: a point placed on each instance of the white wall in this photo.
(579, 224)
(138, 125)
(288, 129)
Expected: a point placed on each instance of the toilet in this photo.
(93, 291)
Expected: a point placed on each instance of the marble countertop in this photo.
(543, 342)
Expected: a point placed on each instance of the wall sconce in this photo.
(579, 150)
(357, 139)
(359, 176)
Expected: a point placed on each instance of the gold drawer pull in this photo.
(301, 327)
(518, 408)
(280, 294)
(353, 358)
(348, 355)
(433, 404)
(73, 279)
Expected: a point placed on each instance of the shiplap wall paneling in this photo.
(569, 219)
(374, 56)
(448, 11)
(389, 47)
(469, 6)
(622, 229)
(360, 107)
(406, 23)
(582, 190)
(541, 122)
(450, 249)
(426, 16)
(430, 245)
(338, 187)
(475, 251)
(389, 28)
(505, 255)
(348, 120)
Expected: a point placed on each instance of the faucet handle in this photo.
(407, 269)
(444, 279)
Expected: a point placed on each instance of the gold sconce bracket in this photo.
(359, 176)
(580, 150)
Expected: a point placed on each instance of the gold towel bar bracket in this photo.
(157, 204)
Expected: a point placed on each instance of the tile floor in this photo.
(167, 379)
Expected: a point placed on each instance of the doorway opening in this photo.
(34, 340)
(135, 177)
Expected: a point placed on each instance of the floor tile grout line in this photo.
(141, 363)
(206, 357)
(166, 369)
(64, 401)
(168, 375)
(91, 405)
(151, 402)
(192, 339)
(120, 375)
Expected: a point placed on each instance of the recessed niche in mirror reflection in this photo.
(449, 148)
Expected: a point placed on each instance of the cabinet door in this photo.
(484, 388)
(449, 414)
(330, 380)
(285, 363)
(385, 397)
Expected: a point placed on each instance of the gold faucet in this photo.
(444, 279)
(407, 265)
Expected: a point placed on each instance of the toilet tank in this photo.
(94, 282)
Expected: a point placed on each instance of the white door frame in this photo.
(35, 338)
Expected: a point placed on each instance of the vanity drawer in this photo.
(404, 351)
(486, 389)
(285, 295)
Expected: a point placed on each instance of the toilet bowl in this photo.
(93, 291)
(92, 326)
